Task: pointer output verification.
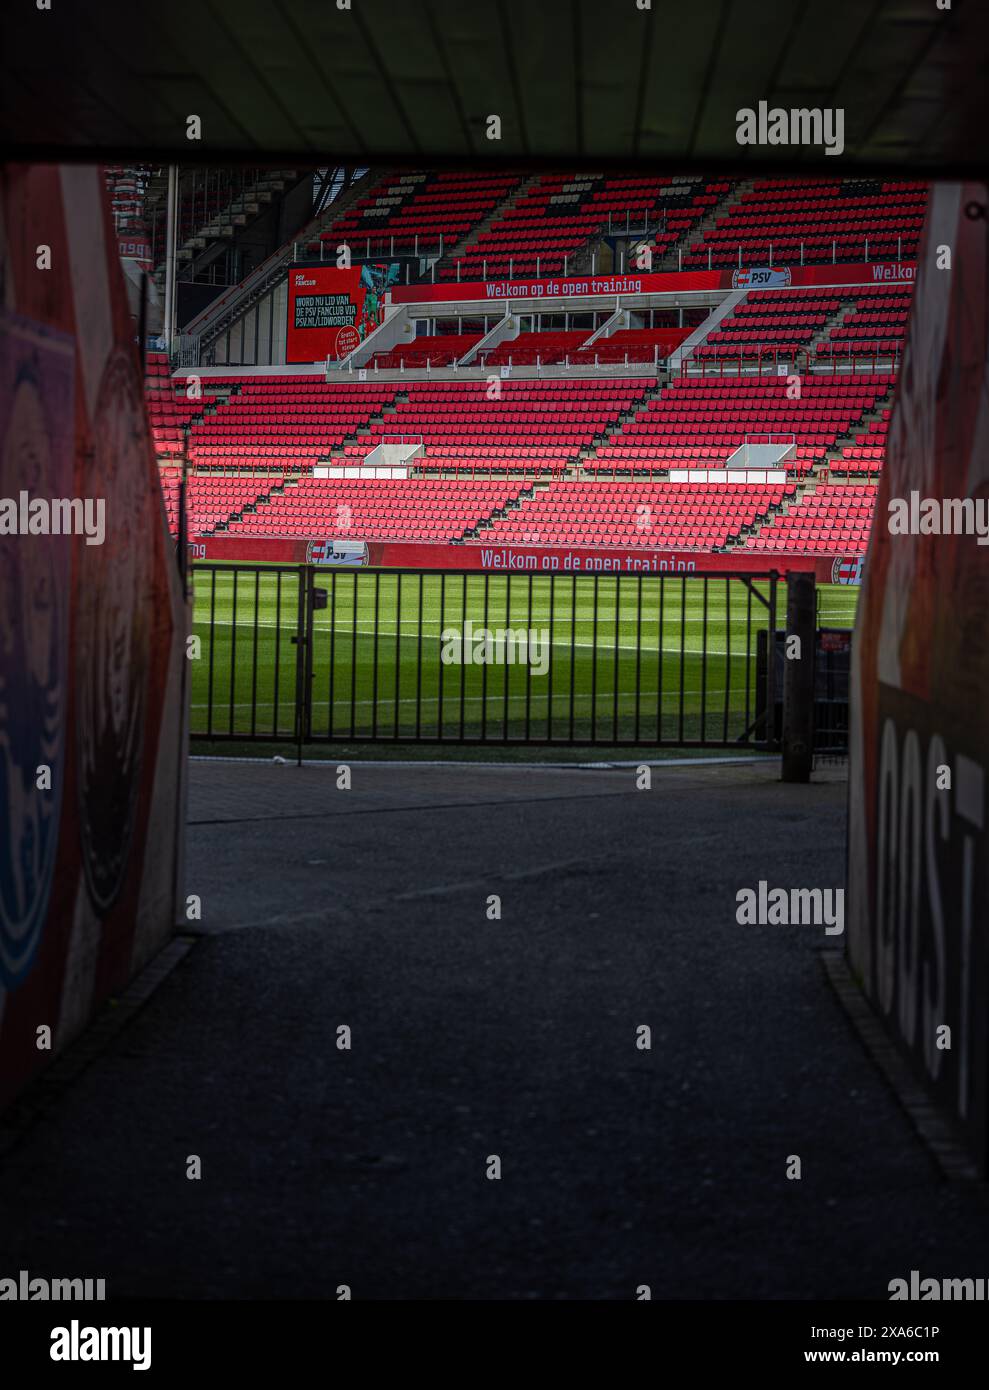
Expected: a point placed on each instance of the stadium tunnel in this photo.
(96, 696)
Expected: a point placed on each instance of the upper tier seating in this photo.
(811, 220)
(499, 223)
(550, 221)
(413, 208)
(206, 197)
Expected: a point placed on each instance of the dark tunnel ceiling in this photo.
(409, 79)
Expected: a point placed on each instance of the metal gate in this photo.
(307, 654)
(832, 671)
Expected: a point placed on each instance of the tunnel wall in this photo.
(91, 635)
(918, 851)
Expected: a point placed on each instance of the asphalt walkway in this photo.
(474, 1037)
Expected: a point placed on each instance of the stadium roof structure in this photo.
(416, 79)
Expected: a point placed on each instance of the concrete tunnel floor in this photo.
(474, 1037)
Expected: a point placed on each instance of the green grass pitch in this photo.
(651, 660)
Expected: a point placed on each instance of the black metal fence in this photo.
(334, 655)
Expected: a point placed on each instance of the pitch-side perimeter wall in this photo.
(516, 558)
(918, 850)
(92, 636)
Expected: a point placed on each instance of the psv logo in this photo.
(847, 571)
(348, 554)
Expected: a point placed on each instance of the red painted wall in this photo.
(91, 636)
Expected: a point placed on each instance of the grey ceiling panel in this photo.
(824, 40)
(612, 62)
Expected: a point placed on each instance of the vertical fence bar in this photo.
(300, 673)
(212, 648)
(484, 668)
(638, 655)
(659, 669)
(573, 648)
(798, 679)
(463, 666)
(528, 664)
(552, 657)
(419, 664)
(254, 655)
(748, 657)
(594, 661)
(771, 664)
(310, 662)
(353, 660)
(683, 648)
(374, 665)
(398, 649)
(331, 712)
(439, 707)
(233, 651)
(618, 630)
(278, 652)
(704, 668)
(508, 628)
(724, 734)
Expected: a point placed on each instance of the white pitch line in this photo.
(739, 654)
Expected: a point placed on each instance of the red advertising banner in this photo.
(659, 282)
(918, 836)
(515, 558)
(331, 311)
